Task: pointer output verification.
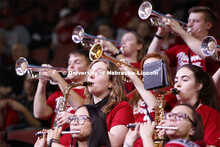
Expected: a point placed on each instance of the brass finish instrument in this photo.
(96, 52)
(208, 47)
(145, 10)
(159, 112)
(79, 36)
(22, 67)
(63, 101)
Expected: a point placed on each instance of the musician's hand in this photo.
(41, 141)
(43, 73)
(132, 135)
(162, 123)
(62, 118)
(55, 134)
(147, 129)
(174, 26)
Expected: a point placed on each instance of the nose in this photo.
(172, 118)
(177, 84)
(91, 75)
(190, 24)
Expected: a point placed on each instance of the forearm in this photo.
(155, 45)
(117, 137)
(148, 142)
(193, 43)
(147, 96)
(41, 109)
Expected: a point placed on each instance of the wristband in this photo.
(116, 54)
(51, 141)
(158, 37)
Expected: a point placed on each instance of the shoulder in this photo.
(207, 112)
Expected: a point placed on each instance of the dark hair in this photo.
(82, 52)
(207, 94)
(99, 132)
(198, 128)
(209, 14)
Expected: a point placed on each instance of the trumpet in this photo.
(79, 36)
(96, 52)
(145, 10)
(22, 67)
(133, 125)
(63, 132)
(208, 47)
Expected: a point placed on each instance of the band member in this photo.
(46, 108)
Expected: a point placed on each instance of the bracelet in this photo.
(51, 141)
(125, 143)
(116, 54)
(158, 37)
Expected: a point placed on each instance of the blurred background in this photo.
(40, 31)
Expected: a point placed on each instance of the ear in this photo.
(140, 46)
(208, 25)
(199, 86)
(192, 132)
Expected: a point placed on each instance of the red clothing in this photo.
(211, 124)
(52, 102)
(121, 114)
(178, 56)
(140, 113)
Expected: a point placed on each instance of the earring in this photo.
(110, 85)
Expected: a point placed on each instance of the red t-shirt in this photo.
(121, 114)
(211, 124)
(178, 56)
(52, 102)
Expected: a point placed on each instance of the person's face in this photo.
(185, 127)
(18, 51)
(185, 82)
(100, 79)
(76, 63)
(199, 28)
(83, 124)
(129, 44)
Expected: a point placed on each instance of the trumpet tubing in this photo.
(96, 52)
(79, 36)
(22, 67)
(145, 10)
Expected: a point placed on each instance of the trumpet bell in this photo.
(145, 10)
(208, 46)
(21, 66)
(78, 34)
(95, 52)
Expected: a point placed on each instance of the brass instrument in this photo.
(63, 101)
(79, 36)
(96, 52)
(159, 112)
(22, 67)
(208, 47)
(145, 10)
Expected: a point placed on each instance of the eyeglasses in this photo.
(178, 116)
(80, 119)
